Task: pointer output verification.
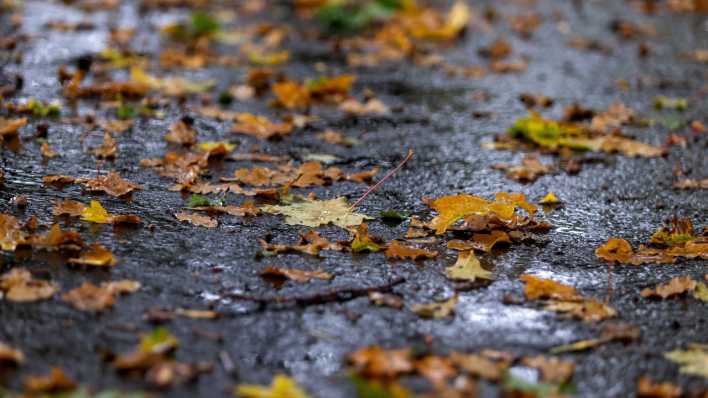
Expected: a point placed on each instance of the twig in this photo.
(381, 181)
(319, 298)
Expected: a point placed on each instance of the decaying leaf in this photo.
(467, 268)
(296, 274)
(18, 285)
(529, 170)
(693, 361)
(436, 310)
(108, 148)
(197, 219)
(619, 250)
(9, 127)
(397, 250)
(676, 286)
(452, 208)
(313, 213)
(181, 132)
(281, 386)
(112, 184)
(484, 364)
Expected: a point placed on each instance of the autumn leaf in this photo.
(376, 362)
(108, 148)
(19, 286)
(10, 356)
(309, 242)
(89, 297)
(96, 255)
(9, 127)
(69, 207)
(260, 126)
(281, 387)
(313, 213)
(647, 388)
(197, 220)
(544, 289)
(467, 268)
(553, 370)
(452, 208)
(362, 242)
(436, 310)
(11, 233)
(397, 250)
(550, 199)
(619, 250)
(296, 274)
(112, 184)
(676, 286)
(529, 170)
(693, 361)
(96, 213)
(701, 292)
(589, 310)
(55, 382)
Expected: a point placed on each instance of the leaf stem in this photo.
(381, 181)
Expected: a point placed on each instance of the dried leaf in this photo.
(529, 170)
(452, 208)
(545, 289)
(467, 268)
(550, 199)
(198, 220)
(260, 126)
(19, 286)
(11, 234)
(112, 184)
(313, 213)
(108, 149)
(310, 243)
(69, 207)
(55, 382)
(9, 127)
(376, 362)
(589, 310)
(181, 133)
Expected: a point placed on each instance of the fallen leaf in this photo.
(55, 382)
(47, 151)
(309, 242)
(701, 292)
(386, 299)
(397, 250)
(589, 310)
(260, 126)
(452, 208)
(11, 233)
(547, 289)
(436, 370)
(676, 286)
(68, 207)
(362, 242)
(96, 213)
(196, 219)
(197, 314)
(96, 255)
(10, 356)
(529, 170)
(481, 365)
(647, 388)
(9, 127)
(181, 132)
(553, 370)
(376, 362)
(89, 297)
(693, 361)
(688, 183)
(296, 274)
(467, 268)
(108, 148)
(281, 387)
(19, 286)
(436, 310)
(550, 199)
(112, 184)
(619, 250)
(373, 106)
(313, 213)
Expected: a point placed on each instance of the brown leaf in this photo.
(436, 370)
(260, 126)
(181, 133)
(676, 286)
(376, 362)
(647, 388)
(9, 127)
(529, 170)
(588, 310)
(11, 233)
(481, 365)
(397, 250)
(56, 381)
(89, 297)
(196, 219)
(10, 356)
(554, 370)
(296, 274)
(544, 289)
(47, 151)
(386, 299)
(309, 242)
(112, 184)
(96, 255)
(108, 149)
(436, 310)
(69, 207)
(19, 286)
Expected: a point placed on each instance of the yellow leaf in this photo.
(313, 213)
(281, 387)
(96, 255)
(96, 213)
(467, 268)
(452, 208)
(701, 292)
(436, 310)
(693, 361)
(550, 199)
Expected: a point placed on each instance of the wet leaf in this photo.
(69, 207)
(158, 341)
(10, 356)
(181, 133)
(296, 274)
(11, 233)
(619, 250)
(436, 310)
(376, 362)
(362, 242)
(56, 381)
(19, 286)
(197, 219)
(529, 170)
(676, 286)
(701, 292)
(313, 213)
(553, 370)
(693, 361)
(452, 208)
(281, 386)
(260, 126)
(112, 184)
(647, 388)
(96, 255)
(589, 310)
(467, 268)
(108, 148)
(550, 199)
(89, 297)
(96, 213)
(397, 250)
(9, 127)
(545, 289)
(309, 242)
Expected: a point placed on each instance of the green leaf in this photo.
(662, 102)
(204, 24)
(202, 201)
(346, 17)
(393, 216)
(125, 111)
(40, 109)
(158, 341)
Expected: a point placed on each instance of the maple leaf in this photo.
(108, 149)
(313, 213)
(310, 243)
(467, 268)
(436, 310)
(112, 184)
(296, 274)
(538, 288)
(18, 285)
(454, 207)
(619, 250)
(397, 250)
(260, 126)
(679, 231)
(281, 387)
(96, 255)
(553, 370)
(481, 242)
(693, 361)
(362, 242)
(198, 220)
